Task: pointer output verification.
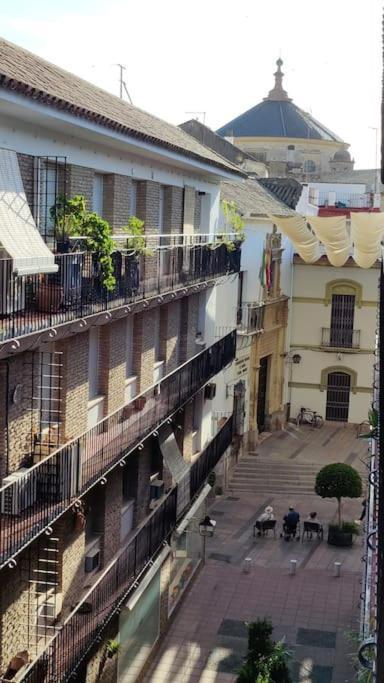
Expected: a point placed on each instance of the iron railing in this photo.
(32, 303)
(345, 199)
(36, 495)
(210, 457)
(89, 618)
(336, 338)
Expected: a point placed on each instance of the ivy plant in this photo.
(68, 215)
(98, 233)
(233, 218)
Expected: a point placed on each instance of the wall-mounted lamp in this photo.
(207, 526)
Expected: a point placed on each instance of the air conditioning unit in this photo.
(210, 391)
(60, 476)
(92, 555)
(156, 489)
(20, 494)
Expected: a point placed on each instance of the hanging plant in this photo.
(233, 219)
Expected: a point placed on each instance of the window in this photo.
(309, 166)
(93, 362)
(342, 319)
(259, 156)
(133, 208)
(129, 348)
(98, 190)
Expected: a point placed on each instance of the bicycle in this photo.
(307, 416)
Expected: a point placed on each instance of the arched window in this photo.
(346, 287)
(309, 166)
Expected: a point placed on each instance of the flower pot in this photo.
(342, 539)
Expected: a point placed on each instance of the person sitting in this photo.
(290, 522)
(265, 516)
(313, 519)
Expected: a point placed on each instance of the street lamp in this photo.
(207, 526)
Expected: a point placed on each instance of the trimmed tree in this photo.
(338, 481)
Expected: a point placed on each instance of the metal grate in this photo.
(342, 318)
(338, 390)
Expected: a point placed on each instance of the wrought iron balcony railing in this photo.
(39, 494)
(250, 318)
(337, 338)
(84, 627)
(33, 303)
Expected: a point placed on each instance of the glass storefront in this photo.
(187, 553)
(138, 631)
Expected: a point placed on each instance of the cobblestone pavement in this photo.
(312, 610)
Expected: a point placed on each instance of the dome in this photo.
(342, 155)
(277, 117)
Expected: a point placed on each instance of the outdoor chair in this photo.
(264, 527)
(291, 531)
(311, 528)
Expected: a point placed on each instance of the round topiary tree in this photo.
(338, 481)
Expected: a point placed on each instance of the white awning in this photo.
(179, 469)
(19, 236)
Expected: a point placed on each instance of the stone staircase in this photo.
(272, 474)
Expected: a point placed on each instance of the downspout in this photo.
(6, 362)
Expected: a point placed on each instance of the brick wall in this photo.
(173, 209)
(80, 181)
(96, 672)
(143, 349)
(147, 204)
(169, 335)
(197, 214)
(116, 199)
(16, 441)
(144, 458)
(17, 608)
(113, 364)
(188, 326)
(26, 165)
(112, 515)
(74, 385)
(71, 574)
(189, 209)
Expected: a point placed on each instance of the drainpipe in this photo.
(6, 363)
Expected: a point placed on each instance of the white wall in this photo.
(308, 317)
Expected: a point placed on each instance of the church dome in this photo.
(277, 117)
(342, 155)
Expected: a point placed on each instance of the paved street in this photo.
(312, 610)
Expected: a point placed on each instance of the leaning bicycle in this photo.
(311, 417)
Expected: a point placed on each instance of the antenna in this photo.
(202, 113)
(123, 83)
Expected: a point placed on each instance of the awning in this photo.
(304, 241)
(179, 469)
(19, 236)
(332, 232)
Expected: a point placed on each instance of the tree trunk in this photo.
(339, 511)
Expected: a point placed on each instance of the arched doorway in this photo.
(338, 392)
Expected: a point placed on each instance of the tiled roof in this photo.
(287, 190)
(274, 118)
(253, 200)
(29, 75)
(214, 141)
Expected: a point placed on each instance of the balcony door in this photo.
(342, 319)
(338, 392)
(262, 392)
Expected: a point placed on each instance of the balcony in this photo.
(250, 318)
(80, 631)
(340, 339)
(31, 304)
(335, 202)
(34, 497)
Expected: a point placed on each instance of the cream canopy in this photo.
(306, 234)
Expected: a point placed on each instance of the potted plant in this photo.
(266, 660)
(339, 480)
(68, 216)
(113, 646)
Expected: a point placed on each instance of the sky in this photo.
(218, 57)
